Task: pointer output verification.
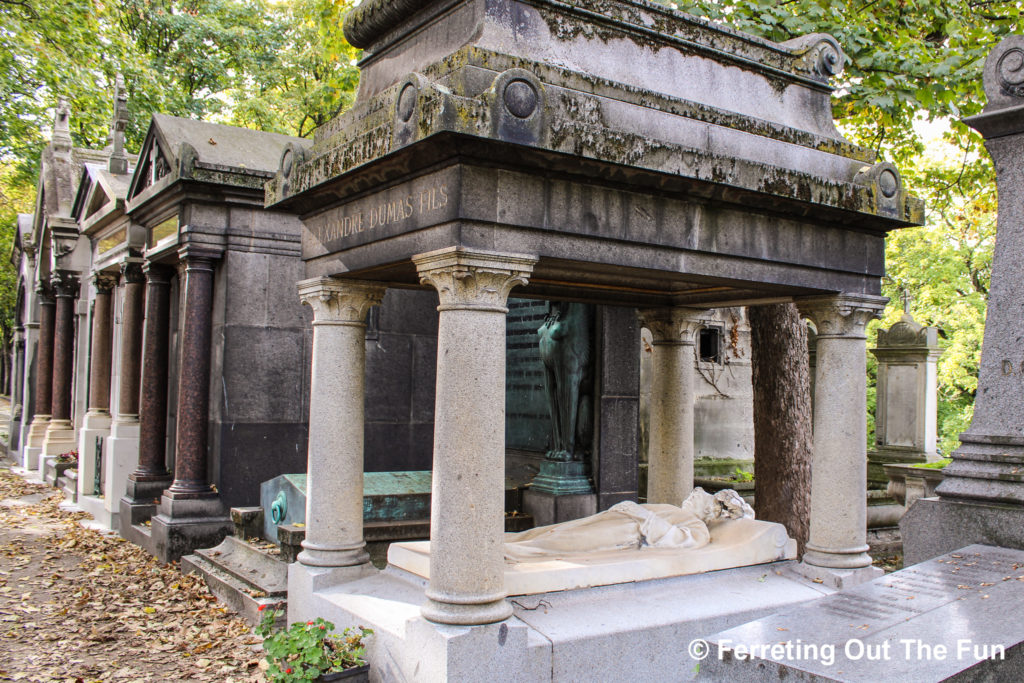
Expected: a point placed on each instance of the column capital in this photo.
(131, 271)
(44, 292)
(157, 273)
(336, 301)
(104, 282)
(65, 283)
(479, 280)
(673, 324)
(842, 315)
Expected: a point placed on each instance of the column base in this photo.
(304, 580)
(146, 491)
(120, 458)
(313, 555)
(34, 442)
(933, 526)
(59, 439)
(95, 430)
(466, 615)
(838, 558)
(837, 578)
(186, 524)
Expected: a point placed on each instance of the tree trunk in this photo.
(782, 418)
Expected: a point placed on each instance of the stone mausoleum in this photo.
(500, 147)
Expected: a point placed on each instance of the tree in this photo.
(782, 418)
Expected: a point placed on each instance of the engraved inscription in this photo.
(384, 213)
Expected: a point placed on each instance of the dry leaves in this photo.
(80, 606)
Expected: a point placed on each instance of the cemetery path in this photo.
(79, 606)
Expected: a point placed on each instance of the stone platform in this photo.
(632, 631)
(948, 619)
(734, 543)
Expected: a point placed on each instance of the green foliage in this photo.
(742, 475)
(910, 62)
(305, 651)
(937, 465)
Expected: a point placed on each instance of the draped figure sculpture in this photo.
(564, 342)
(630, 526)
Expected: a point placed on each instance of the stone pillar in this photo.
(44, 379)
(907, 402)
(96, 424)
(334, 498)
(122, 446)
(981, 499)
(467, 516)
(60, 432)
(151, 477)
(837, 549)
(670, 452)
(191, 515)
(17, 391)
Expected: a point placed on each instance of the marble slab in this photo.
(956, 617)
(734, 543)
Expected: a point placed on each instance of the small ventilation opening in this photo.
(711, 345)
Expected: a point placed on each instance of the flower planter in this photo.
(360, 674)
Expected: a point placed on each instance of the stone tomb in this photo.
(498, 145)
(981, 498)
(944, 619)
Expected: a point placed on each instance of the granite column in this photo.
(467, 520)
(191, 514)
(96, 423)
(334, 502)
(44, 378)
(60, 432)
(151, 476)
(122, 446)
(837, 549)
(674, 333)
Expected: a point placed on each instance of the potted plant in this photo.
(310, 651)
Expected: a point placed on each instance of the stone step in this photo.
(258, 570)
(241, 576)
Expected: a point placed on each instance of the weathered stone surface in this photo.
(940, 620)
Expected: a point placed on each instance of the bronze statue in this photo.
(565, 341)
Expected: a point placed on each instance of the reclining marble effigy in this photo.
(629, 542)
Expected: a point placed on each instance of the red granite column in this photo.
(190, 479)
(65, 287)
(44, 351)
(44, 380)
(151, 476)
(131, 341)
(191, 514)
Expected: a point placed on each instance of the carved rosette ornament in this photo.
(340, 302)
(842, 316)
(477, 280)
(672, 325)
(1010, 72)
